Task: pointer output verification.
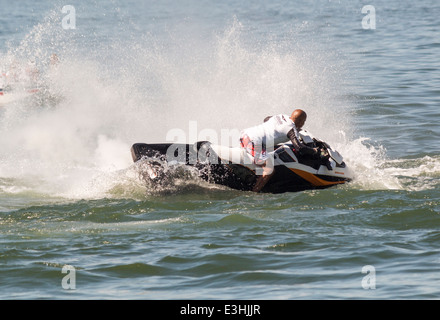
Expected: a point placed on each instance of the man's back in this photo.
(271, 132)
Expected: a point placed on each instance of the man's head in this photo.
(299, 117)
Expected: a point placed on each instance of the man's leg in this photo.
(263, 179)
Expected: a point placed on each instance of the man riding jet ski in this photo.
(302, 163)
(259, 142)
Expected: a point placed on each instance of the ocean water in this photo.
(77, 221)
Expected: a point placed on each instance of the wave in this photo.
(416, 174)
(375, 171)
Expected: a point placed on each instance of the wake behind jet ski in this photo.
(234, 167)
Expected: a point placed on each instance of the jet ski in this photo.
(233, 166)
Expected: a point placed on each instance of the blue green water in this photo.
(140, 72)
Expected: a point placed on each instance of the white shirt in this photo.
(272, 132)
